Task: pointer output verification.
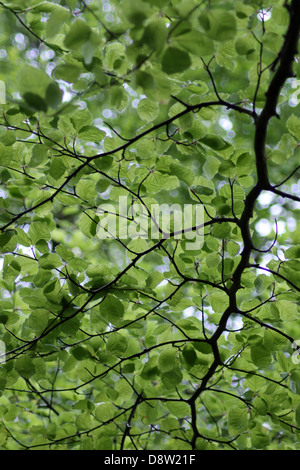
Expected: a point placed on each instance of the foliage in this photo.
(133, 343)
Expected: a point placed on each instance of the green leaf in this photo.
(6, 154)
(260, 356)
(7, 138)
(227, 168)
(86, 189)
(80, 353)
(221, 230)
(135, 12)
(78, 35)
(114, 56)
(219, 24)
(84, 421)
(25, 367)
(182, 173)
(189, 354)
(8, 242)
(155, 34)
(50, 261)
(67, 72)
(167, 360)
(57, 168)
(295, 382)
(260, 406)
(283, 361)
(34, 80)
(117, 344)
(297, 414)
(111, 309)
(91, 133)
(57, 18)
(38, 320)
(288, 311)
(244, 164)
(159, 3)
(260, 437)
(145, 149)
(292, 252)
(64, 253)
(39, 231)
(195, 42)
(87, 224)
(215, 142)
(104, 412)
(137, 245)
(293, 125)
(218, 300)
(150, 369)
(245, 45)
(38, 90)
(232, 248)
(203, 347)
(199, 189)
(178, 409)
(237, 420)
(175, 61)
(53, 95)
(81, 118)
(148, 413)
(171, 378)
(44, 6)
(147, 110)
(211, 167)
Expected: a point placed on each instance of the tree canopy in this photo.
(149, 196)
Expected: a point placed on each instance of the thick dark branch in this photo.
(283, 72)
